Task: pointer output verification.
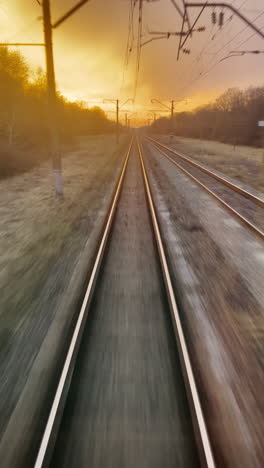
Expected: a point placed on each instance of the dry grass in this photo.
(35, 225)
(47, 247)
(243, 163)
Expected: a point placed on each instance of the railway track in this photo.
(244, 205)
(127, 395)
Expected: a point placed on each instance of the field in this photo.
(46, 247)
(243, 163)
(35, 224)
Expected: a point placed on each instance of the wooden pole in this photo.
(52, 101)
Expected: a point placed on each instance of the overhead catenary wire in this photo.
(231, 17)
(207, 71)
(181, 44)
(139, 38)
(229, 42)
(205, 48)
(214, 62)
(238, 34)
(243, 29)
(130, 40)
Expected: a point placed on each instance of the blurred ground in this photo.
(46, 248)
(240, 162)
(127, 405)
(218, 272)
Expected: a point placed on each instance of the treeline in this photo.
(232, 118)
(24, 119)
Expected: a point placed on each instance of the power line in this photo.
(52, 93)
(222, 5)
(230, 18)
(212, 63)
(181, 43)
(246, 40)
(139, 37)
(221, 30)
(206, 47)
(227, 6)
(238, 34)
(130, 39)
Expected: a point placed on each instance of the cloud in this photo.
(90, 46)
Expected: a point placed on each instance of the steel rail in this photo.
(250, 225)
(232, 185)
(199, 421)
(68, 367)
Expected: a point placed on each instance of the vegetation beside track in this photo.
(24, 130)
(41, 241)
(232, 118)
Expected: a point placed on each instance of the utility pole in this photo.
(51, 85)
(116, 102)
(118, 107)
(52, 101)
(117, 121)
(172, 115)
(51, 90)
(171, 109)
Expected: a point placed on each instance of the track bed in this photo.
(127, 403)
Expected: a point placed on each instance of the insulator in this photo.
(221, 19)
(214, 17)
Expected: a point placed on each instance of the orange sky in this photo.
(90, 48)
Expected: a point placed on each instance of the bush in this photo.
(24, 131)
(232, 118)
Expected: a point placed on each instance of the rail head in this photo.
(48, 438)
(205, 448)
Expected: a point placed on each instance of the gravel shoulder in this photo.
(218, 272)
(242, 163)
(47, 247)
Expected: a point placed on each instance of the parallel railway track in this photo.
(120, 400)
(244, 205)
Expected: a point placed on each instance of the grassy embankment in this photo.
(35, 226)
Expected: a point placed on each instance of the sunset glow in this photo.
(89, 59)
